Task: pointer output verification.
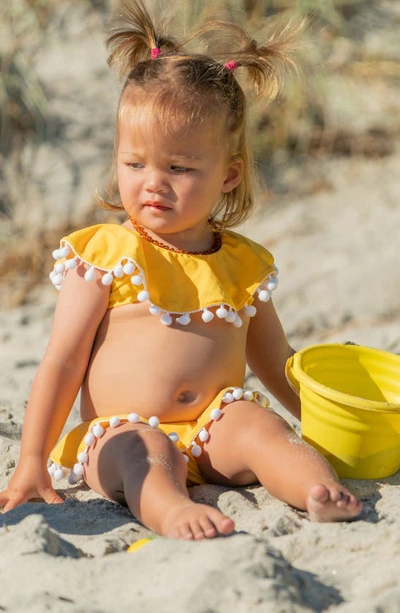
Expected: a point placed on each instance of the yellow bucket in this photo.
(350, 399)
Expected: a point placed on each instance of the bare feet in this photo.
(333, 503)
(192, 521)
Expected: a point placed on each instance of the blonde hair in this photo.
(191, 87)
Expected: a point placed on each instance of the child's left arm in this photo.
(267, 353)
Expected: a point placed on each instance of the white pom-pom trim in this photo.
(107, 279)
(196, 450)
(90, 274)
(184, 320)
(207, 316)
(98, 430)
(231, 395)
(166, 319)
(129, 268)
(216, 414)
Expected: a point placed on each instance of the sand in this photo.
(337, 250)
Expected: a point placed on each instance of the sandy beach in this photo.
(337, 251)
(334, 231)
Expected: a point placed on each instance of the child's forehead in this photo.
(145, 123)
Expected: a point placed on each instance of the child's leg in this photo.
(250, 444)
(139, 466)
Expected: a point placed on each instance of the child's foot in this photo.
(192, 521)
(334, 503)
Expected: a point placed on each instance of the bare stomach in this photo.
(138, 365)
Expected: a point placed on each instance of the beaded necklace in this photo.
(216, 243)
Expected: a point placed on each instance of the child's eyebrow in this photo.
(186, 156)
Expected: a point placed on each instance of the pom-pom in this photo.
(272, 284)
(248, 395)
(196, 450)
(59, 268)
(204, 435)
(73, 478)
(107, 279)
(52, 469)
(221, 312)
(136, 280)
(250, 310)
(57, 254)
(83, 457)
(166, 319)
(174, 437)
(89, 439)
(143, 295)
(154, 310)
(215, 414)
(98, 430)
(90, 274)
(56, 279)
(238, 323)
(71, 263)
(59, 474)
(115, 421)
(184, 320)
(129, 268)
(264, 295)
(64, 251)
(118, 271)
(78, 469)
(207, 316)
(228, 398)
(133, 418)
(237, 393)
(231, 316)
(154, 422)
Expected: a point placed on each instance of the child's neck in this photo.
(216, 241)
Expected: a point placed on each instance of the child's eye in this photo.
(179, 169)
(135, 165)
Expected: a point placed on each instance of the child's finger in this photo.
(9, 502)
(50, 496)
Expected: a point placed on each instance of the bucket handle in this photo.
(291, 379)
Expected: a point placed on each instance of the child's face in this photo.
(169, 183)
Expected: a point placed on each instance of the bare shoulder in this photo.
(81, 306)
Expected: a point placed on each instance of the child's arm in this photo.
(80, 309)
(267, 353)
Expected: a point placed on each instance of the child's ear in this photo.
(234, 175)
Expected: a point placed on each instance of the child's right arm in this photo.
(80, 309)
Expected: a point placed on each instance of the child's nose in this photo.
(156, 182)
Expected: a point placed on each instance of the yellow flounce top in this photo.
(175, 284)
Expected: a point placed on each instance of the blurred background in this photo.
(58, 101)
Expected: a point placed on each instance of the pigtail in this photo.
(134, 39)
(267, 63)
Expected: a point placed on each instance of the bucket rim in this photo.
(294, 363)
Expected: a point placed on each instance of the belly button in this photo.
(186, 397)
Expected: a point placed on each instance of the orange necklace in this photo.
(216, 244)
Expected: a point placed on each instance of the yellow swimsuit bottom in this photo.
(73, 450)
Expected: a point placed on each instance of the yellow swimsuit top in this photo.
(175, 284)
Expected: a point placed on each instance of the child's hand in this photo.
(30, 480)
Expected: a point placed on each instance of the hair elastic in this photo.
(155, 52)
(231, 66)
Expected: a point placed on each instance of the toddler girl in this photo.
(157, 317)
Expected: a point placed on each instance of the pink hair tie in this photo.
(155, 52)
(231, 66)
